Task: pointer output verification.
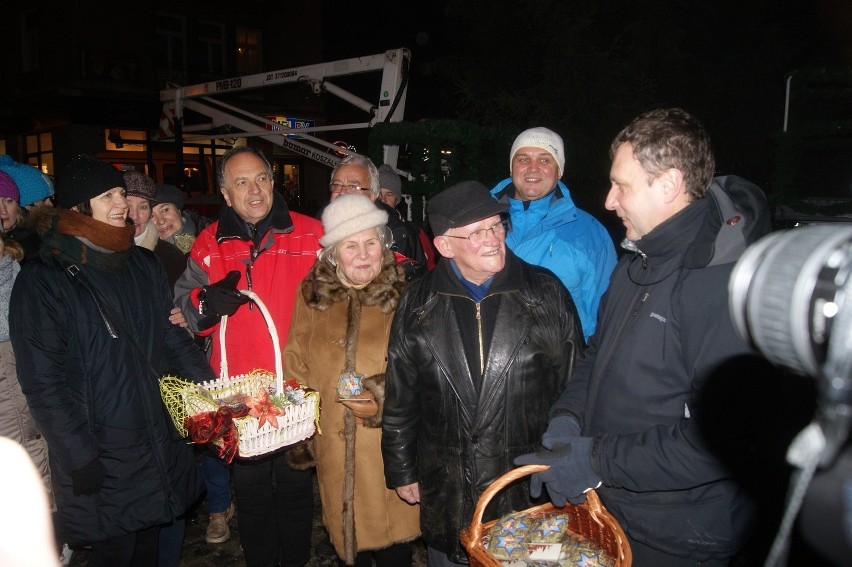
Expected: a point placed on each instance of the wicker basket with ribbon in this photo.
(589, 520)
(245, 415)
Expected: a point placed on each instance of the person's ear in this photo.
(442, 245)
(226, 196)
(671, 181)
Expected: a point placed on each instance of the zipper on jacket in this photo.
(602, 360)
(253, 254)
(481, 347)
(640, 304)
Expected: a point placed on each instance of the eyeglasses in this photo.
(478, 237)
(339, 187)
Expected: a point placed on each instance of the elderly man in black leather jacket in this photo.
(480, 348)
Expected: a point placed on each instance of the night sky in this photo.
(725, 61)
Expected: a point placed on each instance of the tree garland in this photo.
(474, 152)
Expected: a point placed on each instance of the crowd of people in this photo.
(509, 332)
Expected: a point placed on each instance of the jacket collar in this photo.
(661, 250)
(713, 230)
(231, 226)
(504, 192)
(508, 279)
(738, 215)
(149, 238)
(531, 218)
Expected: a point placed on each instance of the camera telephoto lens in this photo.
(789, 291)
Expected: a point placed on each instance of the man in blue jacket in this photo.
(636, 419)
(548, 229)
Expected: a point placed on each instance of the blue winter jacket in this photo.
(553, 233)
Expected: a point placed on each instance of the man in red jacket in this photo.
(256, 244)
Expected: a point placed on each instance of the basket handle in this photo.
(592, 500)
(273, 332)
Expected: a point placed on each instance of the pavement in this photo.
(198, 553)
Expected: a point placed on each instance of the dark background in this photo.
(584, 68)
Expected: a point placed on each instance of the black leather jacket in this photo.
(453, 427)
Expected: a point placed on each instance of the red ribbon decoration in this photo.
(210, 426)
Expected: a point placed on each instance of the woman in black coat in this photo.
(91, 333)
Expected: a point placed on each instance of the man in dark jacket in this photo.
(390, 188)
(632, 421)
(480, 348)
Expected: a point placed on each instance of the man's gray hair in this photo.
(365, 162)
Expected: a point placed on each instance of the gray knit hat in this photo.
(348, 215)
(389, 179)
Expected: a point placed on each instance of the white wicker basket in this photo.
(298, 423)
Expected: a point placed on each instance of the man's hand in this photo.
(222, 298)
(570, 474)
(560, 431)
(363, 405)
(176, 318)
(409, 493)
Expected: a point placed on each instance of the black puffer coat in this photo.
(93, 397)
(449, 429)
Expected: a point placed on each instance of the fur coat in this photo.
(334, 325)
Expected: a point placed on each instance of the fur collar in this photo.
(322, 288)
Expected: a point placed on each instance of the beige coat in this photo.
(16, 422)
(315, 356)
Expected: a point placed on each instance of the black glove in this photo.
(570, 474)
(89, 479)
(560, 431)
(221, 298)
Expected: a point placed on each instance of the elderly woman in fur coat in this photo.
(338, 346)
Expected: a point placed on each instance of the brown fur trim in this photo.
(322, 288)
(376, 385)
(301, 457)
(40, 219)
(349, 545)
(353, 324)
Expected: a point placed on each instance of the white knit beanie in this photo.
(348, 215)
(539, 137)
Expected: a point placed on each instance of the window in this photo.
(249, 51)
(40, 151)
(210, 56)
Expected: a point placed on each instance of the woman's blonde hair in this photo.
(12, 248)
